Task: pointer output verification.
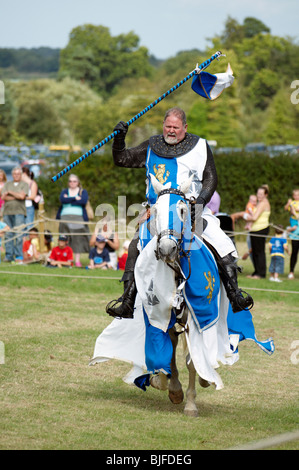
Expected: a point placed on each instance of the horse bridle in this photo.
(172, 232)
(178, 237)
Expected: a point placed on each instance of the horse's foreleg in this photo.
(175, 391)
(190, 407)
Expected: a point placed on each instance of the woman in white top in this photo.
(28, 177)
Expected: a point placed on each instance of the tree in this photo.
(282, 120)
(253, 26)
(234, 32)
(101, 60)
(37, 120)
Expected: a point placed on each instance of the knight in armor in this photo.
(173, 157)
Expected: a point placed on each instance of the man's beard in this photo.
(171, 139)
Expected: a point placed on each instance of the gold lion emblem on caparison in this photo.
(211, 285)
(160, 172)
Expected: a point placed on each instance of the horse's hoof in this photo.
(203, 383)
(176, 397)
(159, 381)
(192, 413)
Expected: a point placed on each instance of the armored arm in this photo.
(129, 158)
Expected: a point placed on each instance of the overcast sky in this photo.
(165, 27)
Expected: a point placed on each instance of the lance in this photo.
(198, 69)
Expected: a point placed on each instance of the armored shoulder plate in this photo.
(162, 149)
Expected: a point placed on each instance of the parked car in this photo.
(34, 165)
(258, 147)
(275, 150)
(228, 150)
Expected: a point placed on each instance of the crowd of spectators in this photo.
(19, 200)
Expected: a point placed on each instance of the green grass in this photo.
(51, 399)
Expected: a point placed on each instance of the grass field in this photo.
(51, 399)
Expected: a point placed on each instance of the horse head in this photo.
(172, 217)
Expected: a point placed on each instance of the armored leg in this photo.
(228, 270)
(124, 306)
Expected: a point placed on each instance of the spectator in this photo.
(99, 255)
(3, 180)
(61, 255)
(214, 203)
(112, 240)
(278, 246)
(48, 241)
(14, 194)
(259, 231)
(31, 248)
(73, 214)
(123, 257)
(249, 209)
(293, 206)
(294, 237)
(3, 228)
(28, 177)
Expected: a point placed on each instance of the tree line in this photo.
(102, 79)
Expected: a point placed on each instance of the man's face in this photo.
(17, 175)
(173, 130)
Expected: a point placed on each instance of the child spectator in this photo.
(31, 248)
(99, 255)
(123, 258)
(278, 245)
(293, 206)
(62, 255)
(250, 209)
(3, 228)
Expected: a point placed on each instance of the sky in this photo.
(165, 27)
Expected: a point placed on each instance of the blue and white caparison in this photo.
(174, 268)
(175, 271)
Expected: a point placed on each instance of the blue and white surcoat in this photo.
(175, 171)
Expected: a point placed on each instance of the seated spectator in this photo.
(61, 255)
(123, 257)
(99, 255)
(31, 248)
(104, 228)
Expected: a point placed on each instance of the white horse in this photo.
(178, 288)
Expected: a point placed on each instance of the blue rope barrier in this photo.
(197, 70)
